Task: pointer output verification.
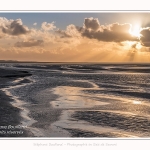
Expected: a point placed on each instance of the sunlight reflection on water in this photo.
(73, 97)
(137, 102)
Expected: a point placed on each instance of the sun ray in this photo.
(135, 30)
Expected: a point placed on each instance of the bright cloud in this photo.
(35, 24)
(48, 26)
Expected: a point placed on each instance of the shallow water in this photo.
(73, 97)
(85, 97)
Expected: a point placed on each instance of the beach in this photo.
(10, 115)
(74, 100)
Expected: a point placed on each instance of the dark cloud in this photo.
(15, 27)
(29, 43)
(91, 23)
(145, 37)
(112, 33)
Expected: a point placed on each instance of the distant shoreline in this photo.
(102, 63)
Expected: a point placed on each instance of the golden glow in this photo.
(135, 31)
(136, 102)
(138, 45)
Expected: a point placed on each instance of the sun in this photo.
(135, 31)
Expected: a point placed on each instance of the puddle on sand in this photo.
(73, 97)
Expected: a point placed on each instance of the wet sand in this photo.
(131, 123)
(76, 101)
(86, 115)
(10, 115)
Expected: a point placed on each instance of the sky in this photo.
(75, 37)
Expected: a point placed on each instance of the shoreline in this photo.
(10, 125)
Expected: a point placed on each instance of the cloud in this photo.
(111, 33)
(145, 38)
(48, 26)
(91, 23)
(62, 33)
(29, 43)
(71, 31)
(13, 27)
(134, 46)
(35, 24)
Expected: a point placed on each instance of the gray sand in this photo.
(10, 115)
